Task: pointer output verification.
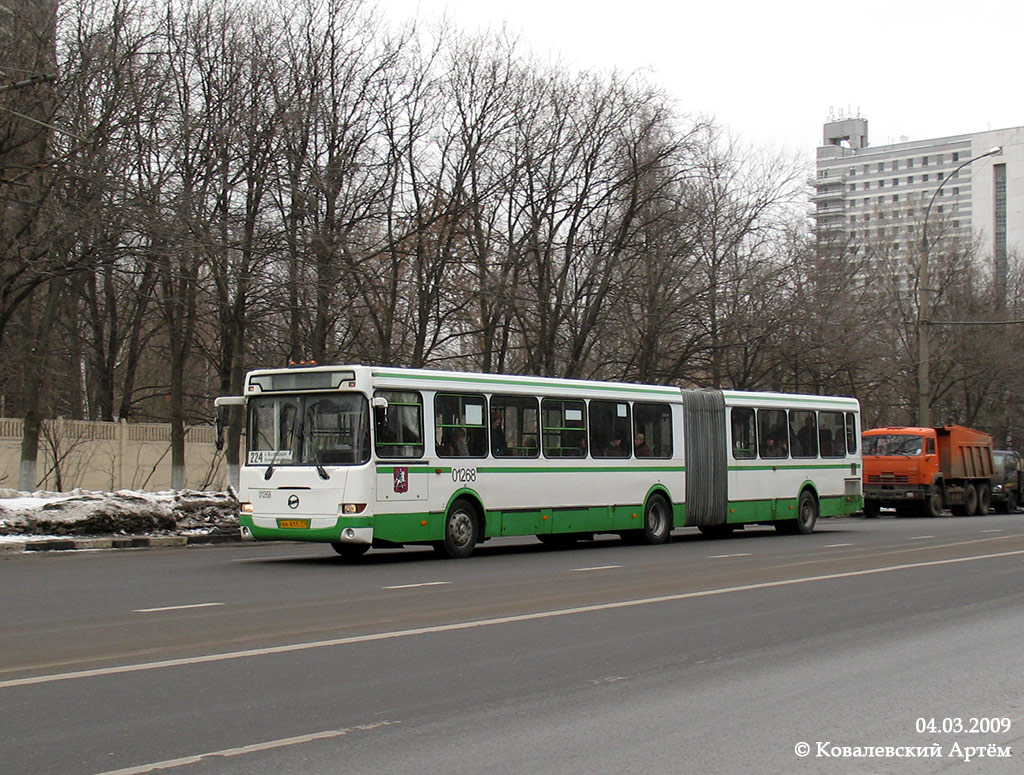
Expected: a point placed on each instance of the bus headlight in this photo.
(353, 508)
(245, 507)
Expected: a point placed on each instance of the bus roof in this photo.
(396, 377)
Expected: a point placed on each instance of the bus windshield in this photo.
(330, 429)
(893, 444)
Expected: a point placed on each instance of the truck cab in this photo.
(899, 466)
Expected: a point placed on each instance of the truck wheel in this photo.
(872, 509)
(984, 499)
(970, 501)
(932, 506)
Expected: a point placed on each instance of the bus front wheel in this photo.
(350, 551)
(657, 521)
(461, 528)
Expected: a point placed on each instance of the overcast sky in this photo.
(772, 72)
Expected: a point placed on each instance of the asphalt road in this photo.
(700, 656)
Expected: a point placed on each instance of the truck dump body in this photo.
(964, 453)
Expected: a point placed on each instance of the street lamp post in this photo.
(924, 305)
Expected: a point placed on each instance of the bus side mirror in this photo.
(220, 402)
(380, 405)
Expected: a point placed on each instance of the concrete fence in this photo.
(111, 456)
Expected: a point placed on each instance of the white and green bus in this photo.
(360, 457)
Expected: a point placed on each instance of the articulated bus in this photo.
(362, 457)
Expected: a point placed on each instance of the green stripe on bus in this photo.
(794, 466)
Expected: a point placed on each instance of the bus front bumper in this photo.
(343, 530)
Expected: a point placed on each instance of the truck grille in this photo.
(888, 478)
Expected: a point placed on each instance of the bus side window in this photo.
(830, 434)
(851, 434)
(513, 426)
(461, 425)
(744, 434)
(772, 433)
(652, 427)
(803, 433)
(610, 429)
(399, 429)
(564, 427)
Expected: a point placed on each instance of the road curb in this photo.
(30, 544)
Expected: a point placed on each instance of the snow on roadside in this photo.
(125, 512)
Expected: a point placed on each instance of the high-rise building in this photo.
(878, 195)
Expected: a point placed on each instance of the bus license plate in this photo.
(293, 523)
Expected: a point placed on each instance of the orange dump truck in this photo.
(924, 470)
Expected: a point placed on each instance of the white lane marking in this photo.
(991, 531)
(723, 556)
(420, 584)
(836, 546)
(596, 567)
(474, 623)
(241, 750)
(919, 538)
(174, 608)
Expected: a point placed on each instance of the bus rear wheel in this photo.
(461, 531)
(806, 516)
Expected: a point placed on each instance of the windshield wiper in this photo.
(269, 472)
(322, 471)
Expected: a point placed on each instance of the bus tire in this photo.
(807, 513)
(657, 521)
(807, 516)
(461, 531)
(717, 531)
(350, 551)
